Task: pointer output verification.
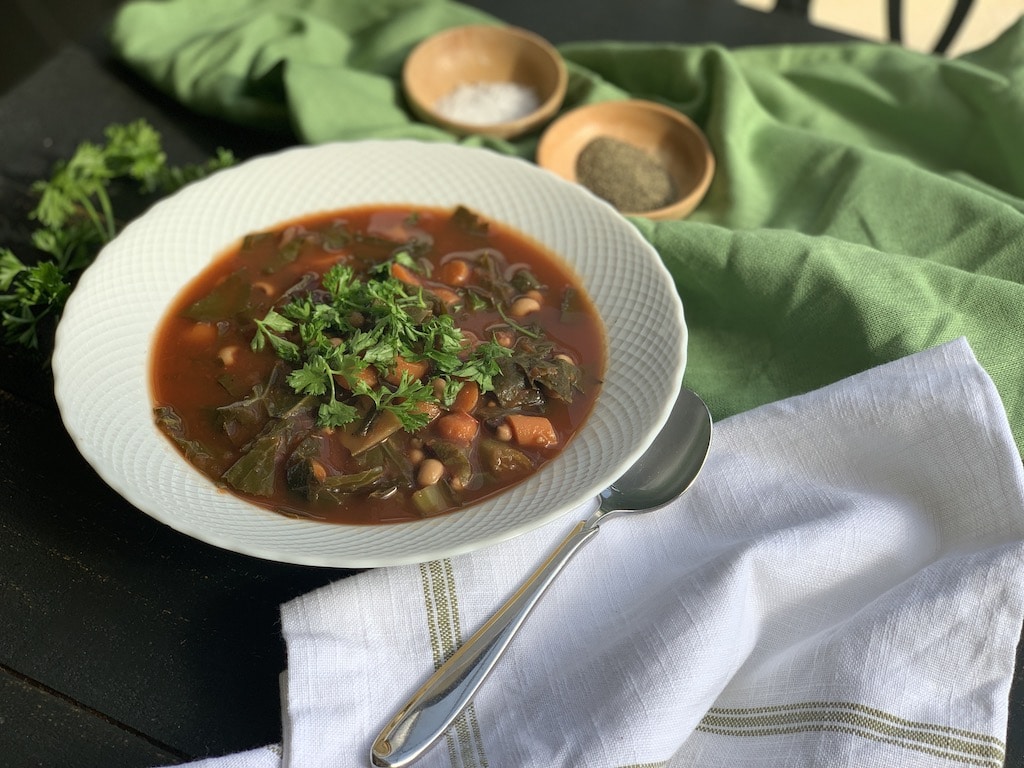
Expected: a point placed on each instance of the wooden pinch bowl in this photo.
(476, 54)
(663, 133)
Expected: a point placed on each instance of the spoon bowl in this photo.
(666, 469)
(669, 466)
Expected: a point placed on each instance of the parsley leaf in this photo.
(482, 366)
(268, 330)
(316, 377)
(404, 401)
(336, 414)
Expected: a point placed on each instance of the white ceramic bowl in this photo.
(101, 361)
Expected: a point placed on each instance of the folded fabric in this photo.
(258, 61)
(868, 203)
(843, 586)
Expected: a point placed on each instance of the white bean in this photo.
(228, 355)
(524, 306)
(430, 472)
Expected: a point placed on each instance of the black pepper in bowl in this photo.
(624, 175)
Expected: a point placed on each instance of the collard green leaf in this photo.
(307, 473)
(229, 299)
(168, 420)
(559, 377)
(468, 221)
(269, 400)
(255, 470)
(542, 368)
(340, 486)
(503, 459)
(511, 388)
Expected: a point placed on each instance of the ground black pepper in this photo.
(624, 175)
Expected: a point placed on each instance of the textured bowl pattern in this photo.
(102, 369)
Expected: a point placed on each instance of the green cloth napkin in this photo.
(868, 202)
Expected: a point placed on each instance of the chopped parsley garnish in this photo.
(374, 323)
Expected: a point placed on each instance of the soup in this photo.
(377, 365)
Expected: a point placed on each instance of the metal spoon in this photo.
(662, 473)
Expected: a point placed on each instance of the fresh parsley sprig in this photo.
(271, 330)
(76, 216)
(404, 401)
(317, 377)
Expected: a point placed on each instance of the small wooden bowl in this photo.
(663, 133)
(478, 54)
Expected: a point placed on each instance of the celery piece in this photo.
(433, 499)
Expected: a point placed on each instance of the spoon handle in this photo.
(441, 699)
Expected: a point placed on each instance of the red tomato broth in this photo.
(201, 365)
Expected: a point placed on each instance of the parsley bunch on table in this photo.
(76, 218)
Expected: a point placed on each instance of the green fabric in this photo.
(868, 202)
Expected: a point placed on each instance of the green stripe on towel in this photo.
(465, 744)
(859, 720)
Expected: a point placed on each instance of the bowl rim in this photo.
(577, 120)
(505, 129)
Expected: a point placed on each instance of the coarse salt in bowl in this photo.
(485, 104)
(494, 80)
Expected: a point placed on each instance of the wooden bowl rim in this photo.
(505, 129)
(562, 141)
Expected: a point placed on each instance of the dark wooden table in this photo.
(122, 642)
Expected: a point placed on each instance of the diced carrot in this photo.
(447, 297)
(457, 427)
(432, 410)
(406, 275)
(416, 369)
(532, 431)
(455, 272)
(368, 376)
(467, 398)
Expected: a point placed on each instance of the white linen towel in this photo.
(843, 586)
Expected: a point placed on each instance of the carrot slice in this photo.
(416, 369)
(368, 376)
(430, 410)
(447, 296)
(457, 427)
(406, 275)
(532, 431)
(467, 398)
